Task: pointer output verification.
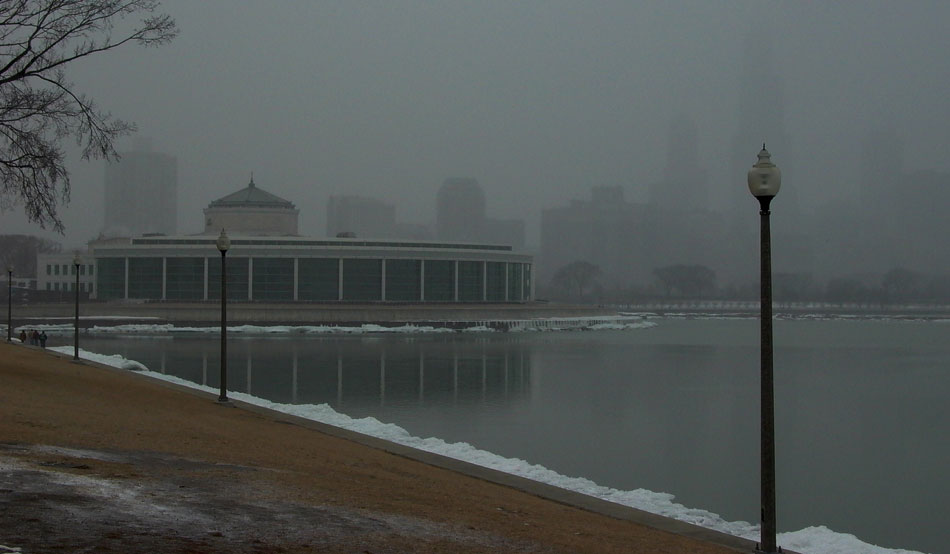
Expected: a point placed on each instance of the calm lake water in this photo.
(861, 407)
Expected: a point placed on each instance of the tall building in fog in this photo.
(461, 216)
(760, 118)
(141, 193)
(882, 168)
(606, 231)
(460, 211)
(361, 216)
(684, 185)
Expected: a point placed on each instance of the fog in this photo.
(539, 101)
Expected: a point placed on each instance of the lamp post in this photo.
(9, 303)
(76, 263)
(223, 244)
(764, 181)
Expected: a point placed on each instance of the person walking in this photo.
(23, 336)
(43, 338)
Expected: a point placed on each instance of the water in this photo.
(861, 413)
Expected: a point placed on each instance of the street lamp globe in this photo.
(77, 260)
(223, 242)
(764, 178)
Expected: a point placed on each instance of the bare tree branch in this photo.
(39, 106)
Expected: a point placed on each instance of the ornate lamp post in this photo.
(223, 244)
(9, 303)
(77, 261)
(764, 181)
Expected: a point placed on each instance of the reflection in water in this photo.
(345, 372)
(860, 407)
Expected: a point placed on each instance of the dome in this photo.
(251, 211)
(251, 196)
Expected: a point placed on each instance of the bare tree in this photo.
(38, 104)
(19, 252)
(689, 280)
(576, 277)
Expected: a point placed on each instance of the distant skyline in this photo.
(538, 101)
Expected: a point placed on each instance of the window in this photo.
(403, 280)
(362, 279)
(184, 278)
(112, 278)
(56, 268)
(145, 278)
(318, 279)
(82, 270)
(91, 267)
(237, 278)
(515, 281)
(49, 269)
(471, 281)
(49, 286)
(273, 279)
(439, 281)
(496, 283)
(65, 269)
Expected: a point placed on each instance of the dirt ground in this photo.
(102, 460)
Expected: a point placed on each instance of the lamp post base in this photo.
(224, 402)
(758, 550)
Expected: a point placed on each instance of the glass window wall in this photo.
(471, 279)
(110, 282)
(527, 281)
(273, 279)
(403, 280)
(515, 279)
(318, 279)
(362, 280)
(495, 284)
(237, 278)
(439, 281)
(145, 278)
(184, 278)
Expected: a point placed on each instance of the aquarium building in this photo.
(269, 262)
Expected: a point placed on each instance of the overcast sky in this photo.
(538, 100)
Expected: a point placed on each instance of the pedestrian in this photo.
(23, 336)
(43, 339)
(34, 338)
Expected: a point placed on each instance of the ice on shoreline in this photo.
(811, 540)
(600, 323)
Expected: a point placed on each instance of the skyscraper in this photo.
(141, 193)
(684, 184)
(364, 217)
(460, 212)
(760, 119)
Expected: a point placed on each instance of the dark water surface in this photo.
(862, 407)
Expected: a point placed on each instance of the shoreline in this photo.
(75, 417)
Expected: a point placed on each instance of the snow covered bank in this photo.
(812, 540)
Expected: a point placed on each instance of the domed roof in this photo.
(251, 196)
